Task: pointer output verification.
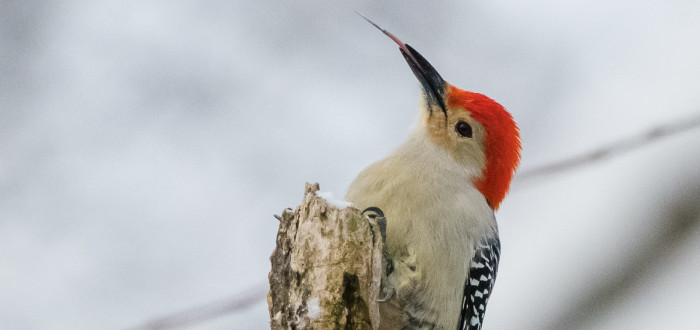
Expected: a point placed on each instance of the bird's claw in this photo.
(387, 296)
(376, 216)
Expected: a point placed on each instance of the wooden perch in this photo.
(326, 268)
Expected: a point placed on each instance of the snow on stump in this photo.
(326, 268)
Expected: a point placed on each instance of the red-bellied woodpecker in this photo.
(438, 192)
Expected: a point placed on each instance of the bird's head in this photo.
(476, 130)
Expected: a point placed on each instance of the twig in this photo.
(614, 149)
(676, 227)
(207, 312)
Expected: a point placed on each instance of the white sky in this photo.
(145, 145)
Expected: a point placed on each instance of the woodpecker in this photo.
(438, 192)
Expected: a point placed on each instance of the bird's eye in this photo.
(463, 129)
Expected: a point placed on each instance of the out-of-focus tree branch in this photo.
(611, 150)
(679, 222)
(200, 314)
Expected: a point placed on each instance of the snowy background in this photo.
(145, 146)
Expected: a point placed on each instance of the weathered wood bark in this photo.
(326, 268)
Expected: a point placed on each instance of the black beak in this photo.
(433, 85)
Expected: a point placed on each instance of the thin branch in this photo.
(612, 150)
(676, 227)
(208, 311)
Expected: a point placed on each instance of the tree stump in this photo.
(326, 268)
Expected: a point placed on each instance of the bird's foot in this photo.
(376, 217)
(388, 294)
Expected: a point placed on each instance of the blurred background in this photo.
(146, 145)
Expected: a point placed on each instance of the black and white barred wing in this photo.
(479, 284)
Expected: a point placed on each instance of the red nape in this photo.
(502, 142)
